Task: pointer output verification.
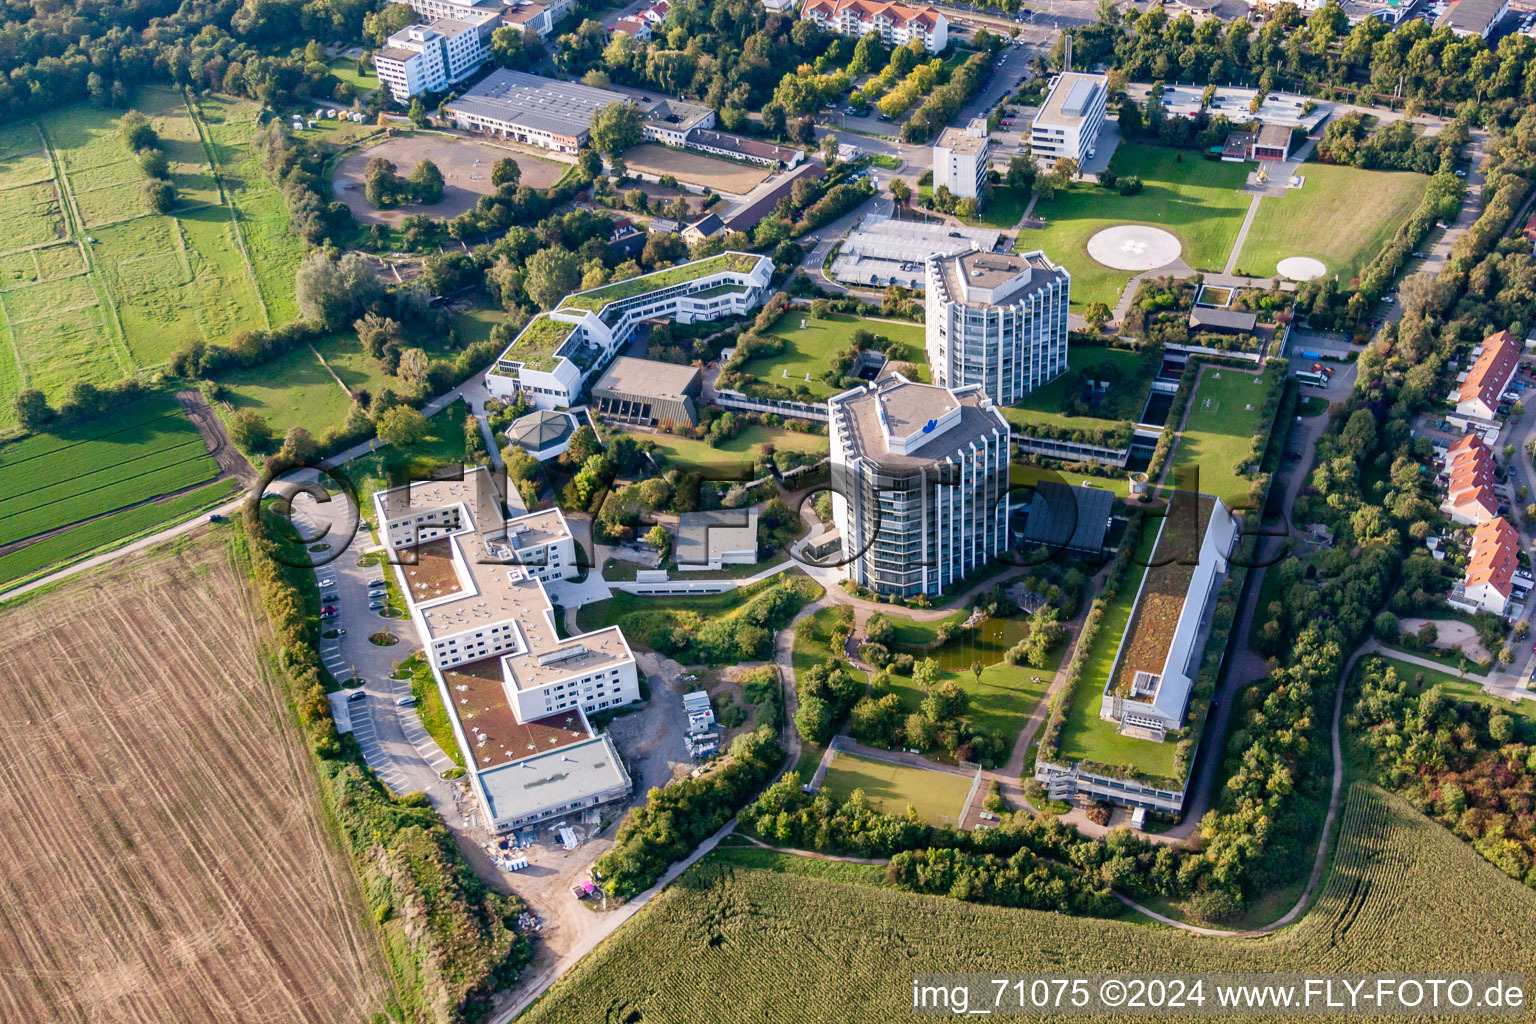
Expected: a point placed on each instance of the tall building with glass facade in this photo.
(919, 484)
(998, 320)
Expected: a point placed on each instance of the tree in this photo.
(330, 291)
(550, 275)
(137, 132)
(946, 703)
(506, 172)
(1065, 168)
(658, 538)
(413, 367)
(583, 445)
(1097, 314)
(299, 446)
(159, 195)
(427, 183)
(402, 426)
(31, 408)
(829, 147)
(616, 127)
(417, 112)
(249, 431)
(901, 191)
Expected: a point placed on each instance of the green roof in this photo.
(536, 345)
(597, 298)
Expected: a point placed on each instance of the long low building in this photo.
(649, 392)
(516, 692)
(535, 111)
(1494, 364)
(554, 356)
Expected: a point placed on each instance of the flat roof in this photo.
(650, 377)
(553, 779)
(960, 141)
(983, 271)
(703, 536)
(496, 585)
(544, 104)
(397, 53)
(1226, 319)
(906, 405)
(495, 735)
(1068, 103)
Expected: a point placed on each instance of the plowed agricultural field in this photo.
(163, 849)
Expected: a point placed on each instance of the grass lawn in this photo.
(293, 390)
(1341, 215)
(1084, 735)
(1311, 405)
(1021, 475)
(1004, 209)
(1122, 402)
(350, 69)
(1223, 419)
(812, 645)
(937, 797)
(429, 706)
(1196, 199)
(1460, 689)
(809, 350)
(735, 456)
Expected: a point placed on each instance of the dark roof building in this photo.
(746, 218)
(707, 226)
(1073, 519)
(1473, 17)
(543, 434)
(1222, 321)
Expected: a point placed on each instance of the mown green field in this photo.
(736, 456)
(747, 935)
(809, 350)
(1341, 215)
(937, 797)
(51, 480)
(1196, 199)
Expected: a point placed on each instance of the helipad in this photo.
(1134, 247)
(1300, 268)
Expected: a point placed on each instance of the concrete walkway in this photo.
(1242, 235)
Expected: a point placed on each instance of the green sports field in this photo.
(1224, 416)
(1198, 200)
(1341, 215)
(938, 797)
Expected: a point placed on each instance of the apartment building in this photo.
(897, 24)
(553, 357)
(996, 320)
(919, 484)
(517, 693)
(1071, 117)
(961, 159)
(433, 57)
(1493, 367)
(508, 10)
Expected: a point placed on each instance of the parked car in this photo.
(330, 608)
(328, 615)
(327, 583)
(376, 606)
(330, 598)
(405, 702)
(373, 583)
(359, 695)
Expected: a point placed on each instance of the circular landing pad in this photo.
(1300, 268)
(1134, 247)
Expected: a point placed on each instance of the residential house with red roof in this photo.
(1469, 479)
(1491, 566)
(897, 24)
(1493, 367)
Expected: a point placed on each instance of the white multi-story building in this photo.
(996, 320)
(553, 357)
(1071, 117)
(506, 10)
(961, 160)
(517, 693)
(897, 24)
(433, 57)
(919, 484)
